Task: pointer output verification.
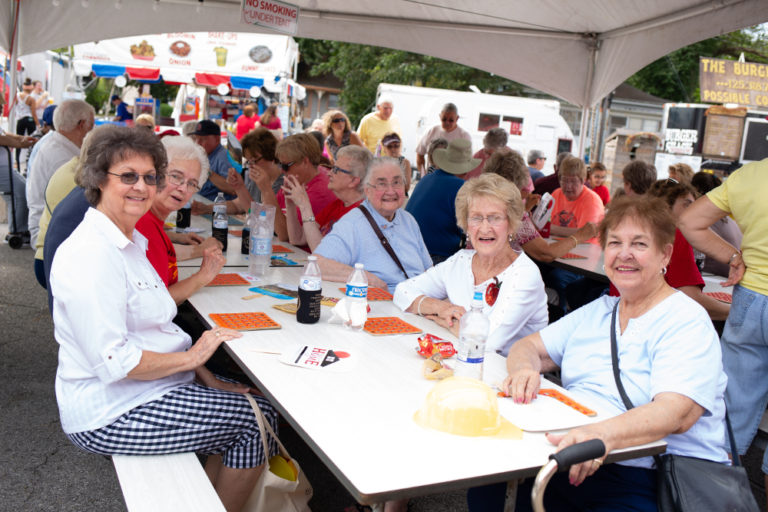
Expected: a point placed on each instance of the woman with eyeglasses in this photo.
(488, 209)
(392, 146)
(338, 133)
(126, 380)
(345, 180)
(187, 168)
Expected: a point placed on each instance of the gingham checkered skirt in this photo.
(191, 418)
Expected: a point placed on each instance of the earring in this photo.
(603, 268)
(664, 271)
(510, 238)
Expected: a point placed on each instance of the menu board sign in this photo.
(729, 81)
(722, 137)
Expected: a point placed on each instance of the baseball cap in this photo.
(115, 97)
(206, 127)
(48, 115)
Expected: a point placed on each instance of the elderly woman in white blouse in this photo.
(488, 209)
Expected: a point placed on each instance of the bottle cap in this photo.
(312, 257)
(478, 296)
(359, 266)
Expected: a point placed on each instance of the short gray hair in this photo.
(382, 161)
(495, 138)
(384, 98)
(178, 147)
(360, 158)
(450, 107)
(69, 113)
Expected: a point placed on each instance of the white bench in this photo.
(169, 483)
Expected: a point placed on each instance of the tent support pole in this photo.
(594, 45)
(12, 89)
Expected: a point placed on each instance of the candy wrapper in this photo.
(429, 344)
(434, 368)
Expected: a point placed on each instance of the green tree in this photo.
(676, 76)
(363, 67)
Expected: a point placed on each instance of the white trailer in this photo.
(530, 123)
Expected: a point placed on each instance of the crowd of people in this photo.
(98, 198)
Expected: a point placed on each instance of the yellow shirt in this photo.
(372, 129)
(743, 195)
(61, 183)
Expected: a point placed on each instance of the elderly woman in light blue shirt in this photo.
(353, 240)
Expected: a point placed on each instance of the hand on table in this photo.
(210, 242)
(448, 315)
(376, 282)
(522, 386)
(585, 232)
(208, 343)
(579, 472)
(187, 239)
(199, 208)
(213, 261)
(294, 191)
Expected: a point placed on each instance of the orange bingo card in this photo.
(374, 294)
(244, 321)
(228, 280)
(721, 296)
(553, 393)
(572, 256)
(383, 325)
(280, 249)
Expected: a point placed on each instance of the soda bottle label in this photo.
(261, 246)
(357, 291)
(472, 360)
(220, 223)
(309, 284)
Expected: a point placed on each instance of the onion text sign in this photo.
(271, 14)
(729, 81)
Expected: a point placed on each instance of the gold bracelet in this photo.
(574, 239)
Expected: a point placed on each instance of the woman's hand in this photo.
(376, 282)
(736, 269)
(234, 179)
(199, 208)
(531, 201)
(579, 472)
(210, 242)
(213, 261)
(207, 378)
(208, 343)
(522, 386)
(448, 314)
(585, 232)
(260, 177)
(187, 239)
(294, 191)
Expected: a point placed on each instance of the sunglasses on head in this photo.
(131, 178)
(338, 120)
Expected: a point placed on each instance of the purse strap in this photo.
(265, 429)
(736, 459)
(383, 239)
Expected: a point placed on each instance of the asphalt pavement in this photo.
(40, 470)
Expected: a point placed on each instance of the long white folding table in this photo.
(360, 422)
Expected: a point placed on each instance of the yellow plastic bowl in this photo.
(461, 406)
(283, 468)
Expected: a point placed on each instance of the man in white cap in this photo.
(448, 129)
(374, 125)
(432, 203)
(536, 160)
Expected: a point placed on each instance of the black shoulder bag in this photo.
(688, 484)
(383, 240)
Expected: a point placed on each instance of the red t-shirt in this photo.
(333, 212)
(603, 192)
(682, 269)
(317, 190)
(245, 124)
(160, 251)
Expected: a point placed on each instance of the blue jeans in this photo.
(745, 360)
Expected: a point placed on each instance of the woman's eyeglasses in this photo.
(253, 161)
(394, 145)
(492, 291)
(336, 170)
(285, 167)
(382, 185)
(131, 178)
(178, 180)
(493, 220)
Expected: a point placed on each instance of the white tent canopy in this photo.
(576, 50)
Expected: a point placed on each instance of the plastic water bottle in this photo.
(220, 229)
(245, 242)
(473, 332)
(261, 246)
(184, 217)
(310, 293)
(357, 298)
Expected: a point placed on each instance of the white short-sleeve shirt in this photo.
(520, 309)
(671, 348)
